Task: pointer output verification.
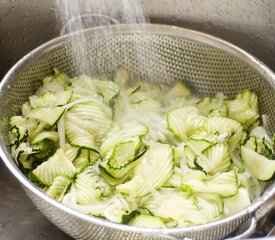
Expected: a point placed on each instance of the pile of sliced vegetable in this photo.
(142, 154)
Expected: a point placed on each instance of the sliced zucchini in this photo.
(52, 99)
(91, 118)
(78, 137)
(60, 186)
(108, 89)
(184, 121)
(49, 87)
(251, 98)
(175, 205)
(251, 144)
(18, 134)
(265, 148)
(112, 181)
(93, 157)
(193, 148)
(212, 106)
(124, 153)
(222, 125)
(224, 184)
(47, 115)
(259, 165)
(52, 136)
(210, 205)
(240, 111)
(58, 164)
(118, 173)
(86, 188)
(22, 154)
(155, 168)
(83, 160)
(71, 152)
(46, 149)
(217, 159)
(122, 133)
(237, 203)
(147, 221)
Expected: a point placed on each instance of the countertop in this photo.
(19, 219)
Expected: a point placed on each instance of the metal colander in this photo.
(158, 53)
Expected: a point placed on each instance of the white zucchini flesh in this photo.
(224, 184)
(155, 168)
(225, 125)
(147, 221)
(260, 166)
(184, 121)
(124, 133)
(217, 159)
(236, 203)
(59, 187)
(176, 206)
(47, 115)
(52, 99)
(91, 118)
(58, 164)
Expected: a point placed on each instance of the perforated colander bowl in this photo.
(159, 53)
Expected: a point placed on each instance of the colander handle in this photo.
(82, 16)
(248, 232)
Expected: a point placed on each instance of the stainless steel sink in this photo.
(25, 24)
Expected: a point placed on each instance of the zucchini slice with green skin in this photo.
(52, 99)
(52, 136)
(175, 205)
(112, 181)
(184, 121)
(58, 164)
(251, 98)
(210, 205)
(18, 134)
(78, 137)
(22, 154)
(209, 105)
(89, 185)
(260, 166)
(60, 186)
(71, 152)
(153, 171)
(224, 184)
(118, 173)
(147, 221)
(222, 125)
(237, 203)
(217, 159)
(240, 111)
(251, 144)
(47, 115)
(124, 153)
(82, 161)
(91, 118)
(121, 134)
(265, 148)
(193, 148)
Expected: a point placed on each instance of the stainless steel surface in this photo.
(208, 65)
(25, 24)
